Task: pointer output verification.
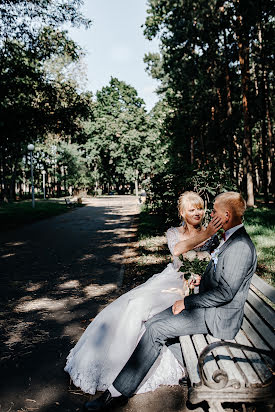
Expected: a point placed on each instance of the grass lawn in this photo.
(260, 225)
(152, 254)
(16, 214)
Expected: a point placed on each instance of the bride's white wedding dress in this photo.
(110, 339)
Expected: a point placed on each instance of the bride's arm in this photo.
(185, 245)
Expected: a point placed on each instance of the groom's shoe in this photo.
(105, 402)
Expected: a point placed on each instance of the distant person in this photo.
(110, 339)
(143, 196)
(217, 309)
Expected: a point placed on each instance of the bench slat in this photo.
(260, 326)
(262, 308)
(190, 359)
(241, 361)
(253, 336)
(263, 287)
(210, 364)
(226, 363)
(254, 358)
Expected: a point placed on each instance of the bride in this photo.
(110, 339)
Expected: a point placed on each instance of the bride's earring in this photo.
(183, 223)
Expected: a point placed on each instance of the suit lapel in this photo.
(210, 265)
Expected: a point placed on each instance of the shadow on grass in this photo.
(150, 225)
(263, 216)
(13, 215)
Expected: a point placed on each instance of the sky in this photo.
(115, 45)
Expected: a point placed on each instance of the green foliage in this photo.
(123, 142)
(149, 224)
(34, 103)
(195, 266)
(23, 19)
(164, 189)
(73, 158)
(209, 182)
(199, 72)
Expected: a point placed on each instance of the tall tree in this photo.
(205, 66)
(123, 140)
(32, 102)
(243, 35)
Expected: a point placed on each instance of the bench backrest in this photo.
(260, 313)
(264, 288)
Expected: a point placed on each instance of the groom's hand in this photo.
(178, 307)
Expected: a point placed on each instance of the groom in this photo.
(217, 308)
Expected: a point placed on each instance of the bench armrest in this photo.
(220, 377)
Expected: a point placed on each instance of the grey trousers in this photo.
(159, 330)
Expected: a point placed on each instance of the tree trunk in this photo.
(4, 177)
(266, 121)
(192, 150)
(12, 181)
(136, 182)
(269, 138)
(58, 180)
(229, 111)
(243, 48)
(1, 177)
(96, 181)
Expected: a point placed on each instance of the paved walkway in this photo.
(56, 275)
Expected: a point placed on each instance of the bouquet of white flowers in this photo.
(193, 265)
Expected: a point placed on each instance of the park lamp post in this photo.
(44, 192)
(31, 148)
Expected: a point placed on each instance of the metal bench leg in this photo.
(215, 406)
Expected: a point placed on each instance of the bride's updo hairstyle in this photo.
(189, 198)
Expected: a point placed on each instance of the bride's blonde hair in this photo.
(187, 198)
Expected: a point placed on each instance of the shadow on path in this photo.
(56, 275)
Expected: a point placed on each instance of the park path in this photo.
(56, 275)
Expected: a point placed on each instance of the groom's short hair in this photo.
(235, 201)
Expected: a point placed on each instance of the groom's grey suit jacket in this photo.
(224, 288)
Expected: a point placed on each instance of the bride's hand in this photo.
(178, 307)
(214, 225)
(196, 281)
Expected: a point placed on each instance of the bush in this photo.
(163, 190)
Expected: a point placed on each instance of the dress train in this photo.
(112, 336)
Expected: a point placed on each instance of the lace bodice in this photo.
(173, 237)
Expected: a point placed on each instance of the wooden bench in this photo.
(239, 370)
